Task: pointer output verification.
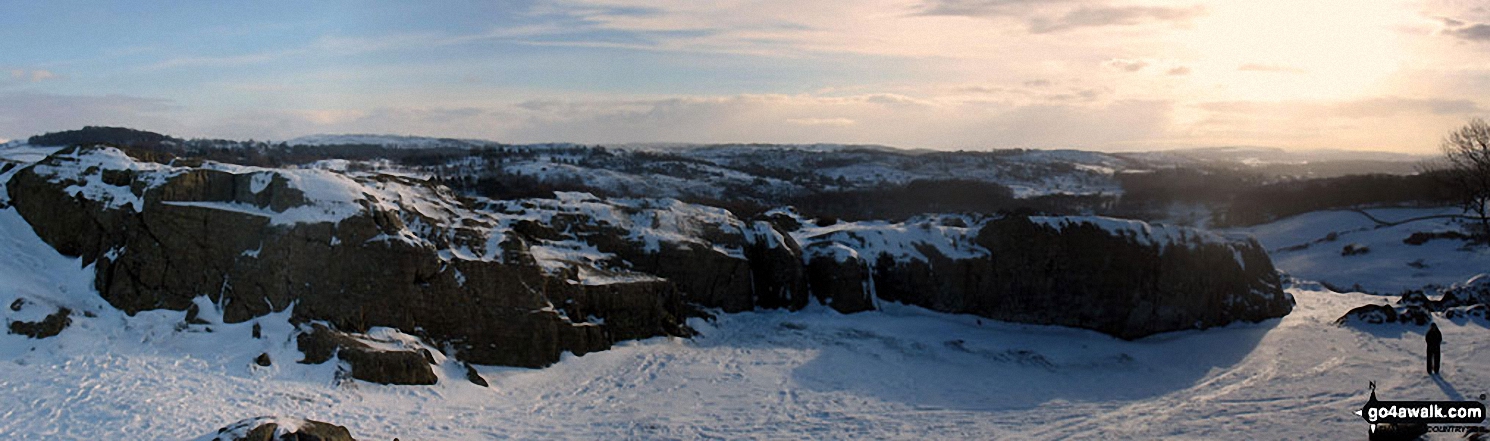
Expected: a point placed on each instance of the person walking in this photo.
(1435, 338)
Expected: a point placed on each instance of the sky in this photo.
(1113, 75)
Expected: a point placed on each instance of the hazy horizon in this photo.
(1107, 75)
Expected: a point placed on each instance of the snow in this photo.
(21, 152)
(901, 241)
(330, 196)
(900, 372)
(240, 429)
(260, 182)
(84, 169)
(1145, 233)
(1299, 246)
(651, 222)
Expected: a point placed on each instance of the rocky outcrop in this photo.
(282, 429)
(1062, 271)
(1470, 299)
(521, 282)
(1369, 314)
(50, 326)
(714, 259)
(381, 366)
(252, 242)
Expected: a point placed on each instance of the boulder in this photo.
(1416, 315)
(1475, 311)
(282, 429)
(50, 326)
(1370, 314)
(475, 377)
(320, 344)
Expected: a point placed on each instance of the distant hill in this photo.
(119, 136)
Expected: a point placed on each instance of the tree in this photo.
(1467, 152)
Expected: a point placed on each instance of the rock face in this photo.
(1123, 278)
(520, 282)
(282, 429)
(254, 242)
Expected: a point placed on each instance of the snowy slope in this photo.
(1302, 246)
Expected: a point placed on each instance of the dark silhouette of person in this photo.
(1434, 338)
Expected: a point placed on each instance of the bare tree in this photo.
(1467, 152)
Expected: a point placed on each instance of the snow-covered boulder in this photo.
(366, 363)
(1468, 299)
(280, 429)
(48, 326)
(1369, 314)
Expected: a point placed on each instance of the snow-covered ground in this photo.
(900, 373)
(1302, 246)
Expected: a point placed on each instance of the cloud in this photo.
(1476, 32)
(32, 76)
(1379, 107)
(836, 122)
(983, 8)
(1178, 70)
(1115, 16)
(1389, 122)
(26, 114)
(1392, 106)
(943, 124)
(1126, 65)
(1047, 16)
(1272, 68)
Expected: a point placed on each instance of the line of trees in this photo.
(1467, 166)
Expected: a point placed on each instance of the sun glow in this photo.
(1287, 50)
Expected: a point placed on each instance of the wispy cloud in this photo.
(1115, 16)
(1475, 32)
(835, 122)
(1126, 65)
(1047, 16)
(33, 76)
(1269, 68)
